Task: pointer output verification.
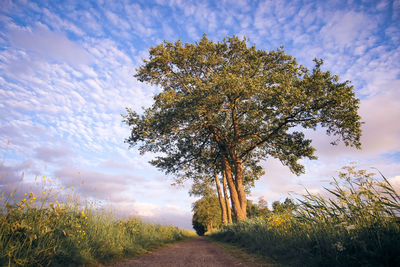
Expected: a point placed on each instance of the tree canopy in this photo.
(206, 214)
(241, 103)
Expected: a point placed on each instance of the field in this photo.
(40, 230)
(357, 224)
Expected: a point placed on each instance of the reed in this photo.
(357, 223)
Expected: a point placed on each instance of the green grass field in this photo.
(357, 225)
(40, 230)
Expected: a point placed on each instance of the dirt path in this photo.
(195, 252)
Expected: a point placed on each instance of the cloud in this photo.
(344, 28)
(113, 164)
(380, 130)
(48, 44)
(395, 182)
(49, 154)
(12, 174)
(96, 184)
(165, 215)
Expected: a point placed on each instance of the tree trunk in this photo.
(239, 186)
(228, 208)
(224, 216)
(236, 205)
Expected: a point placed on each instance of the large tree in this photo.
(246, 103)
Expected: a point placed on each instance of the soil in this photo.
(194, 252)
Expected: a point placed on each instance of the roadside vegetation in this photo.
(42, 230)
(354, 223)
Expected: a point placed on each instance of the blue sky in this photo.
(66, 75)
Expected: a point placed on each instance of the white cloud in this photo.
(345, 28)
(165, 215)
(96, 184)
(395, 182)
(48, 44)
(50, 154)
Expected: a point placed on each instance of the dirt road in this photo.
(195, 252)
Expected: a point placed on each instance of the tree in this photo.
(247, 104)
(287, 206)
(206, 214)
(202, 186)
(259, 209)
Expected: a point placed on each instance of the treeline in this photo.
(207, 212)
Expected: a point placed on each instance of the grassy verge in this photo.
(39, 230)
(245, 257)
(358, 225)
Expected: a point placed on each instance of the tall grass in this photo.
(356, 224)
(39, 230)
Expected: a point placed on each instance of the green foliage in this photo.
(245, 99)
(259, 209)
(203, 186)
(240, 104)
(287, 206)
(358, 225)
(199, 227)
(39, 232)
(206, 214)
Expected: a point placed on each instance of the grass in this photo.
(40, 230)
(358, 224)
(246, 258)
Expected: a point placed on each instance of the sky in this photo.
(66, 76)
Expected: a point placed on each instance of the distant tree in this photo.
(259, 209)
(247, 104)
(198, 226)
(206, 214)
(203, 185)
(287, 206)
